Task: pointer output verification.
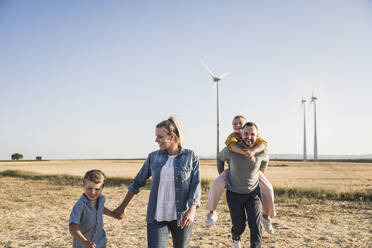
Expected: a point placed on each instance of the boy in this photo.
(86, 221)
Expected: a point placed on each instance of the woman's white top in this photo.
(166, 203)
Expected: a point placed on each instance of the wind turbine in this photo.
(313, 100)
(215, 80)
(303, 101)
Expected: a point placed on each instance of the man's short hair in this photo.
(250, 124)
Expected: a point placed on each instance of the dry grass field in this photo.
(338, 176)
(34, 213)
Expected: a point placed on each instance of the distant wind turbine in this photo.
(313, 100)
(215, 80)
(303, 101)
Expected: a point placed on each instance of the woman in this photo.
(175, 190)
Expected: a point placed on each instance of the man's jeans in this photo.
(158, 234)
(242, 206)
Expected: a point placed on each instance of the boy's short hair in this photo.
(96, 176)
(239, 117)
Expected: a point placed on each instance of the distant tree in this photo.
(17, 156)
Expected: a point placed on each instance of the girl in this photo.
(218, 185)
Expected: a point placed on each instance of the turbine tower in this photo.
(313, 100)
(303, 101)
(215, 80)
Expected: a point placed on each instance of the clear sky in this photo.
(91, 79)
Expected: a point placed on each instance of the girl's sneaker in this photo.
(211, 218)
(267, 225)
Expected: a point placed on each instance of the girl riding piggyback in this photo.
(218, 185)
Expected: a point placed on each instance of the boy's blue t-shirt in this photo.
(90, 220)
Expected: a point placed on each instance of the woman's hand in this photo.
(189, 216)
(119, 212)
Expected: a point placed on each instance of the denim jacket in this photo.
(186, 179)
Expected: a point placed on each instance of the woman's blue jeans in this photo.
(158, 234)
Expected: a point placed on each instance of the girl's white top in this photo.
(166, 203)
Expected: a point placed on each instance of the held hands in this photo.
(119, 213)
(88, 244)
(189, 216)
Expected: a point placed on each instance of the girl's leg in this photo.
(216, 190)
(267, 196)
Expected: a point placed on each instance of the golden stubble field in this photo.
(35, 213)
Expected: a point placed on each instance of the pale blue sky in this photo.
(91, 79)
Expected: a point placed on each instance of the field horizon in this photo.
(273, 157)
(322, 174)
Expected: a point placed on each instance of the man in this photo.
(243, 192)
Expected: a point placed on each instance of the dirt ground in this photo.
(35, 214)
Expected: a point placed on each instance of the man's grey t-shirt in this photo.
(243, 175)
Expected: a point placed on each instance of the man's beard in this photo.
(248, 142)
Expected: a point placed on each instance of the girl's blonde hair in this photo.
(171, 126)
(240, 117)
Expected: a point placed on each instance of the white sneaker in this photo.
(211, 218)
(267, 225)
(236, 244)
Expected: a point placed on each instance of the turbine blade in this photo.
(208, 70)
(223, 75)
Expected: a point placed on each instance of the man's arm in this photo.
(221, 158)
(221, 169)
(265, 161)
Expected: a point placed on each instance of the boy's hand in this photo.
(89, 244)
